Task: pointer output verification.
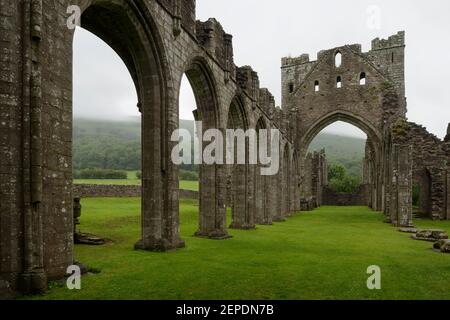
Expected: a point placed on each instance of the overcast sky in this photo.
(266, 30)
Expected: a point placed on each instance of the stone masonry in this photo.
(366, 89)
(159, 42)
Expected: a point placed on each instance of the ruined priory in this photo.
(159, 42)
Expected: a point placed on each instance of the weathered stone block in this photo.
(430, 235)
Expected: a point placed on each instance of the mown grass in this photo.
(317, 255)
(189, 185)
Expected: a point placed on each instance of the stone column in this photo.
(401, 192)
(212, 199)
(447, 195)
(259, 196)
(250, 201)
(447, 184)
(240, 216)
(279, 193)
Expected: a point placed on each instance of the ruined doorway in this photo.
(422, 193)
(340, 166)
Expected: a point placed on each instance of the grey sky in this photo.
(266, 30)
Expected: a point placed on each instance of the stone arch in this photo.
(212, 211)
(47, 251)
(333, 117)
(374, 144)
(240, 176)
(374, 136)
(129, 29)
(204, 86)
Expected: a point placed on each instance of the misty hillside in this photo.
(117, 145)
(343, 150)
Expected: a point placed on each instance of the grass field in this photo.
(317, 255)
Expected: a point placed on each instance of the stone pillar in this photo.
(262, 211)
(401, 191)
(239, 196)
(447, 196)
(317, 172)
(293, 192)
(272, 197)
(250, 201)
(259, 196)
(286, 186)
(228, 50)
(306, 189)
(212, 198)
(297, 195)
(447, 184)
(279, 193)
(387, 167)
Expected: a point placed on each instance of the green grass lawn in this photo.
(189, 185)
(316, 255)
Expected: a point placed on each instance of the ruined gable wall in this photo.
(428, 154)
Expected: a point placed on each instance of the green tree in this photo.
(336, 171)
(341, 181)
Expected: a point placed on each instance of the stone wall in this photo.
(159, 42)
(119, 191)
(358, 198)
(429, 171)
(315, 177)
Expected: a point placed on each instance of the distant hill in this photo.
(343, 150)
(117, 145)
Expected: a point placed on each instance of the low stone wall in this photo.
(118, 191)
(359, 198)
(106, 191)
(189, 194)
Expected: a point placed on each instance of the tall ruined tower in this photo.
(365, 89)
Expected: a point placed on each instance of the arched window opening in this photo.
(339, 82)
(316, 86)
(338, 59)
(362, 79)
(291, 88)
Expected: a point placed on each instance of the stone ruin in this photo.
(78, 236)
(160, 41)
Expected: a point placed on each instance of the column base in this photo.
(242, 227)
(279, 220)
(408, 225)
(215, 235)
(161, 245)
(34, 282)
